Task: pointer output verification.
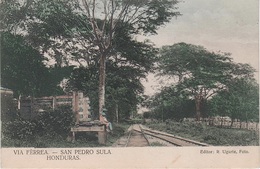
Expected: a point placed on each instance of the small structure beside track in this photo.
(84, 122)
(100, 129)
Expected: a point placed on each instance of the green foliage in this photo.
(19, 129)
(23, 69)
(146, 115)
(53, 26)
(49, 124)
(67, 31)
(170, 103)
(200, 74)
(240, 101)
(122, 93)
(13, 14)
(58, 141)
(57, 122)
(188, 61)
(8, 111)
(209, 134)
(156, 144)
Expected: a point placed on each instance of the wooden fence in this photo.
(226, 123)
(29, 107)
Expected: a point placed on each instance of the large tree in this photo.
(23, 69)
(122, 93)
(123, 75)
(85, 29)
(200, 72)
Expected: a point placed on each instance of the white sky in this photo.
(218, 25)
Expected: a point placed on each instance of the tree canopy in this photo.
(171, 103)
(85, 31)
(199, 72)
(124, 72)
(23, 69)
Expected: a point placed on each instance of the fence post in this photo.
(54, 102)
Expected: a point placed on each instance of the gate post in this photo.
(102, 137)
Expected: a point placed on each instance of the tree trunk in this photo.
(198, 106)
(162, 115)
(232, 121)
(102, 75)
(19, 102)
(32, 107)
(117, 116)
(221, 122)
(246, 120)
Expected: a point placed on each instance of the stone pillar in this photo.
(102, 137)
(73, 137)
(75, 105)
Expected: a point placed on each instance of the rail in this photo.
(143, 136)
(175, 140)
(129, 135)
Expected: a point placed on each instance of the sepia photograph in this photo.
(129, 83)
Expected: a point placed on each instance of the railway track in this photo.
(140, 136)
(137, 138)
(172, 139)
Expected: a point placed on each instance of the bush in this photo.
(57, 122)
(19, 129)
(146, 115)
(8, 112)
(54, 122)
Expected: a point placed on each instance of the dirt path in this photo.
(132, 138)
(137, 139)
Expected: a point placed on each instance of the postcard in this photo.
(129, 84)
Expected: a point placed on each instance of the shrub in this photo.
(58, 121)
(19, 129)
(8, 112)
(146, 115)
(156, 144)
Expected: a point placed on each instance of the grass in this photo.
(156, 144)
(56, 141)
(209, 134)
(199, 132)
